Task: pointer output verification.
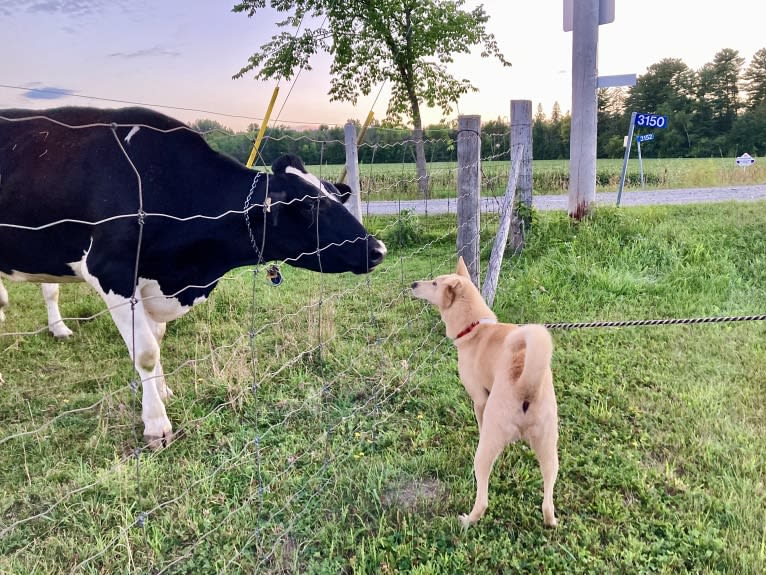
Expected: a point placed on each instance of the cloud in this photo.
(73, 8)
(146, 53)
(47, 93)
(70, 7)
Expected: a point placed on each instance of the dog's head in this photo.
(459, 301)
(443, 290)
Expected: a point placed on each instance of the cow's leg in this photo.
(55, 324)
(131, 320)
(3, 301)
(158, 331)
(135, 328)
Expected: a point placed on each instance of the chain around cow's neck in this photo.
(258, 252)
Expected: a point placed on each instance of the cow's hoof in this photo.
(155, 442)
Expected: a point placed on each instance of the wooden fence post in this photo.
(354, 203)
(498, 248)
(468, 192)
(521, 145)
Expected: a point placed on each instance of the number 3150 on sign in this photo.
(651, 120)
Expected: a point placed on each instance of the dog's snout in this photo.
(414, 285)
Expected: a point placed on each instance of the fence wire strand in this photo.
(277, 512)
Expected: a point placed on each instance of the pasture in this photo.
(398, 181)
(325, 429)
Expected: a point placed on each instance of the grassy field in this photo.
(397, 181)
(352, 452)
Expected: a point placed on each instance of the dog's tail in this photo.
(537, 358)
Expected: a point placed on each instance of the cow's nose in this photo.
(377, 253)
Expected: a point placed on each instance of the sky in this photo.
(173, 54)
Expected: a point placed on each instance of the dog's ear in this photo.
(452, 287)
(462, 270)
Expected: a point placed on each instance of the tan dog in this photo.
(505, 369)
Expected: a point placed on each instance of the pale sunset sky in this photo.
(183, 53)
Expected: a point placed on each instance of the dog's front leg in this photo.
(478, 409)
(479, 396)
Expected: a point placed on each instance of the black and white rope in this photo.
(664, 321)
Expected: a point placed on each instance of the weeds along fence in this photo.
(280, 394)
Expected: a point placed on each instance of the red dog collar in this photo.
(469, 329)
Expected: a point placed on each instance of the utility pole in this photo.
(582, 142)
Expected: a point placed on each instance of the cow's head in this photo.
(308, 226)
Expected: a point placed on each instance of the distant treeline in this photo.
(718, 110)
(325, 144)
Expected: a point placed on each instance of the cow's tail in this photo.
(537, 358)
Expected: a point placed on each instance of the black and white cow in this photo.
(50, 291)
(143, 210)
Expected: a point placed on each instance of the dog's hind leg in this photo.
(545, 447)
(492, 439)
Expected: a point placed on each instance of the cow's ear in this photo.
(343, 191)
(280, 165)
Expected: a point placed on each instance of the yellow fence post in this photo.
(262, 131)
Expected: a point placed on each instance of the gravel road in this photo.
(559, 202)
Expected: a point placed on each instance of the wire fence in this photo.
(248, 371)
(280, 396)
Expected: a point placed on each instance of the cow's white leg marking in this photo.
(158, 331)
(3, 301)
(159, 310)
(136, 331)
(55, 324)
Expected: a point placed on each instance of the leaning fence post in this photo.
(498, 248)
(354, 203)
(521, 145)
(468, 196)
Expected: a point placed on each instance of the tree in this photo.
(667, 88)
(749, 131)
(611, 120)
(754, 80)
(407, 43)
(718, 96)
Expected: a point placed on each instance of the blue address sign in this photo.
(651, 120)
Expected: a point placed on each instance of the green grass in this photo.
(354, 456)
(398, 181)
